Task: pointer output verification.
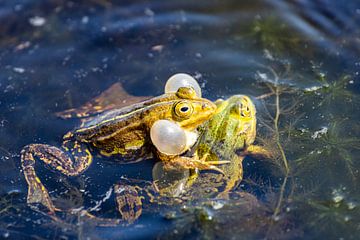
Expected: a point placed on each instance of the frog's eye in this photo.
(241, 110)
(182, 80)
(186, 93)
(183, 109)
(168, 137)
(245, 111)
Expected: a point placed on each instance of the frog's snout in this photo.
(208, 106)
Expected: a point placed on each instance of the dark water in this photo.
(57, 54)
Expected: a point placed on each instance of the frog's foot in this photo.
(195, 163)
(37, 195)
(58, 160)
(208, 165)
(128, 202)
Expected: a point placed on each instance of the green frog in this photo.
(122, 133)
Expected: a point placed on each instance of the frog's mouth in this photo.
(243, 128)
(192, 125)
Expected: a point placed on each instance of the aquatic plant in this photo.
(332, 91)
(272, 123)
(321, 154)
(332, 149)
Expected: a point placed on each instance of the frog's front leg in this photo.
(259, 152)
(72, 159)
(194, 162)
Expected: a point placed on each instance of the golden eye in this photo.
(183, 109)
(245, 111)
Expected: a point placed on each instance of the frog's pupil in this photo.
(184, 109)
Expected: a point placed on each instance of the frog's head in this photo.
(176, 117)
(190, 111)
(238, 118)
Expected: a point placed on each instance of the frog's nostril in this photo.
(206, 106)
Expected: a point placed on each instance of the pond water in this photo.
(301, 57)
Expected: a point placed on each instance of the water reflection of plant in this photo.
(334, 214)
(9, 211)
(7, 206)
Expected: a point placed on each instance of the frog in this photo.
(119, 133)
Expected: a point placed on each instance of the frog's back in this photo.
(224, 137)
(118, 120)
(221, 137)
(123, 131)
(122, 113)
